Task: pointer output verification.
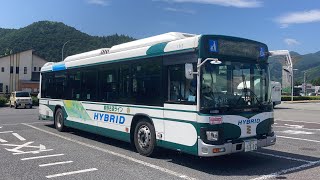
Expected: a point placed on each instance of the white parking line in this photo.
(285, 171)
(37, 122)
(56, 163)
(40, 157)
(310, 140)
(18, 136)
(295, 132)
(32, 152)
(72, 172)
(4, 132)
(3, 141)
(297, 128)
(283, 157)
(168, 171)
(308, 122)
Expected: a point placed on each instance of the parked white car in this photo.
(20, 99)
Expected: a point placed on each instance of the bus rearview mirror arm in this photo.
(189, 67)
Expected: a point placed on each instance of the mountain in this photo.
(309, 63)
(46, 38)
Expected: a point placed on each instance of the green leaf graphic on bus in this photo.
(75, 109)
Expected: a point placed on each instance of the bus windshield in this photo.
(234, 85)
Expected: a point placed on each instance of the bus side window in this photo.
(74, 85)
(108, 80)
(181, 90)
(88, 85)
(60, 85)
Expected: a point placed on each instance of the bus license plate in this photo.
(250, 145)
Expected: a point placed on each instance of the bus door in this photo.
(180, 105)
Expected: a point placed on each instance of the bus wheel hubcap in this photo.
(144, 136)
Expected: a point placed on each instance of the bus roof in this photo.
(147, 47)
(168, 43)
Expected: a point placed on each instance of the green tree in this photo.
(316, 81)
(46, 39)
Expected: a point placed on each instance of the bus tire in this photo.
(144, 138)
(59, 120)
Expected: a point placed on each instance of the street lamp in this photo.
(304, 83)
(63, 49)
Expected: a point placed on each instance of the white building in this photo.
(20, 71)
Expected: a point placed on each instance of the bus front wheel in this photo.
(144, 138)
(58, 120)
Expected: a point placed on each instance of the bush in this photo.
(3, 101)
(300, 98)
(35, 101)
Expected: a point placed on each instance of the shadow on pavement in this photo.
(98, 138)
(282, 108)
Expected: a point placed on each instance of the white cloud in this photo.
(98, 2)
(291, 42)
(299, 17)
(187, 11)
(227, 3)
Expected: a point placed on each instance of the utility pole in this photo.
(292, 84)
(304, 82)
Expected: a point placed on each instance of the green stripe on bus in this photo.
(110, 112)
(141, 107)
(193, 150)
(157, 49)
(243, 114)
(133, 106)
(99, 130)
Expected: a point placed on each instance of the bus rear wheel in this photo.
(58, 120)
(145, 138)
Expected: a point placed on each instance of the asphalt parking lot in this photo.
(33, 149)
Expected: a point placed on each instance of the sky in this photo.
(281, 24)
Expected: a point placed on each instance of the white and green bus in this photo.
(180, 91)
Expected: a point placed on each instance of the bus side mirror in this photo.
(189, 70)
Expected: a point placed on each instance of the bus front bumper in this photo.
(208, 150)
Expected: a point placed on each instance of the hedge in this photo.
(3, 101)
(300, 98)
(35, 101)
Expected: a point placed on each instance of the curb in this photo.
(306, 101)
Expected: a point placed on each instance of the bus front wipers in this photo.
(245, 90)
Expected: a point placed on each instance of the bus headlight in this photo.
(212, 135)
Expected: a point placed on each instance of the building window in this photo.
(25, 70)
(39, 68)
(2, 69)
(34, 69)
(1, 87)
(11, 69)
(17, 70)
